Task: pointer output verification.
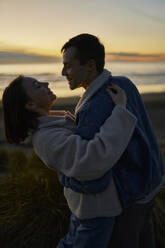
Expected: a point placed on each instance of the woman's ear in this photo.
(30, 106)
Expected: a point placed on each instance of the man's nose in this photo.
(63, 72)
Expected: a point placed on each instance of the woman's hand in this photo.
(57, 112)
(117, 94)
(72, 116)
(61, 113)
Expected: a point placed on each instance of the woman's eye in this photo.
(37, 85)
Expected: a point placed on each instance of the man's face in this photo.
(76, 74)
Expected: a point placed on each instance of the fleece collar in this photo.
(93, 88)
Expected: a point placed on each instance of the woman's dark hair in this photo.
(88, 47)
(17, 119)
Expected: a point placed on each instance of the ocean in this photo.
(148, 77)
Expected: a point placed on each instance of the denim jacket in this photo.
(139, 170)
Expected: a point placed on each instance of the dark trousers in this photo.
(134, 228)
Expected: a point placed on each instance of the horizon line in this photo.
(27, 57)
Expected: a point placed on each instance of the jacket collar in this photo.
(93, 88)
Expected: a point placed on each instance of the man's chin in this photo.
(74, 86)
(71, 87)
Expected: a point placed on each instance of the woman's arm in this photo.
(60, 149)
(68, 153)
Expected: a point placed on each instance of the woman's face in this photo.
(39, 93)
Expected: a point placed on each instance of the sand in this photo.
(154, 102)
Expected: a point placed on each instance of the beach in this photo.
(154, 102)
(155, 105)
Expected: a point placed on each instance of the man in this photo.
(137, 176)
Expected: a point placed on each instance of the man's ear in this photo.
(30, 106)
(92, 64)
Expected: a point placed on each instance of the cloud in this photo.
(146, 14)
(9, 47)
(121, 56)
(153, 18)
(18, 57)
(124, 54)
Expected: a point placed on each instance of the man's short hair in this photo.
(88, 47)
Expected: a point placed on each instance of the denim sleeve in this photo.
(93, 114)
(89, 120)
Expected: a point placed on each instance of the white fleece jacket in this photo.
(60, 149)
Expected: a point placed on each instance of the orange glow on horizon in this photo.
(136, 57)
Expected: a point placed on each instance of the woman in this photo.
(26, 104)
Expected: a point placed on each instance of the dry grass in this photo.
(159, 214)
(33, 211)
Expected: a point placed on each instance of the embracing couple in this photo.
(106, 154)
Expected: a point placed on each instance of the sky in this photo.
(127, 28)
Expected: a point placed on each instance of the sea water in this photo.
(147, 76)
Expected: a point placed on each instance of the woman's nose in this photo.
(46, 84)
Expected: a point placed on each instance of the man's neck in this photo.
(92, 77)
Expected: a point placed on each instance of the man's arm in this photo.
(93, 114)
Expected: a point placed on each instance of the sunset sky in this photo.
(128, 28)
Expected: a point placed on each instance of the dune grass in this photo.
(4, 159)
(33, 211)
(159, 214)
